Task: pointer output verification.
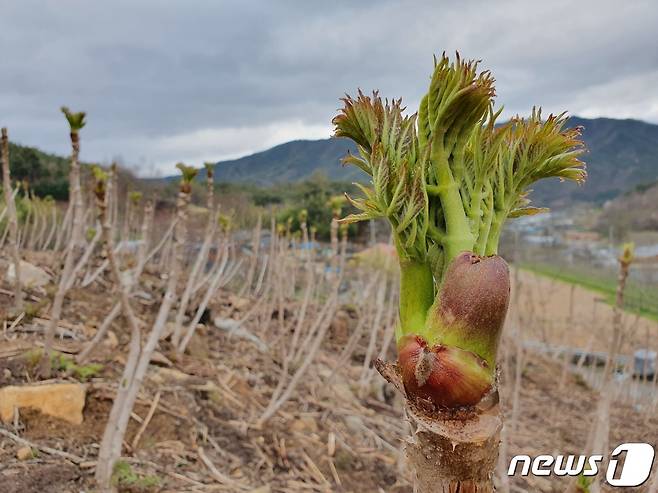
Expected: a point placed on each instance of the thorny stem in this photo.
(200, 260)
(142, 261)
(253, 261)
(459, 237)
(71, 253)
(13, 221)
(111, 444)
(600, 431)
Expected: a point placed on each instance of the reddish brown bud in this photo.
(471, 305)
(446, 376)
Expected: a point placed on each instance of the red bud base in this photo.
(445, 376)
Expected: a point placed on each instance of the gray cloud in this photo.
(205, 80)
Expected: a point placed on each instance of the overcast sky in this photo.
(166, 81)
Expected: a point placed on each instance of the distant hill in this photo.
(293, 161)
(622, 154)
(48, 174)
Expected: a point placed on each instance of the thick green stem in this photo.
(458, 232)
(484, 225)
(475, 211)
(494, 233)
(416, 297)
(483, 235)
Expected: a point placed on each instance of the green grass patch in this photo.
(126, 479)
(62, 362)
(638, 298)
(584, 482)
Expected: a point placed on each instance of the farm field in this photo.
(559, 313)
(336, 432)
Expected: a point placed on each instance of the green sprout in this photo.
(90, 233)
(447, 178)
(210, 169)
(188, 175)
(439, 174)
(76, 120)
(100, 178)
(135, 197)
(627, 253)
(584, 483)
(32, 309)
(225, 222)
(188, 172)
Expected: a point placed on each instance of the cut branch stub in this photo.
(454, 456)
(453, 450)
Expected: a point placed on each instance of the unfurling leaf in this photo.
(188, 172)
(210, 169)
(76, 120)
(627, 253)
(135, 196)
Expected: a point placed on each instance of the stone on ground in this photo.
(24, 453)
(60, 400)
(31, 275)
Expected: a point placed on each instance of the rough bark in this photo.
(199, 264)
(76, 204)
(110, 450)
(53, 229)
(599, 437)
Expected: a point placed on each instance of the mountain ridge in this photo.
(622, 153)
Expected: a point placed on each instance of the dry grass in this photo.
(338, 431)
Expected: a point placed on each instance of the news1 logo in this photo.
(634, 471)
